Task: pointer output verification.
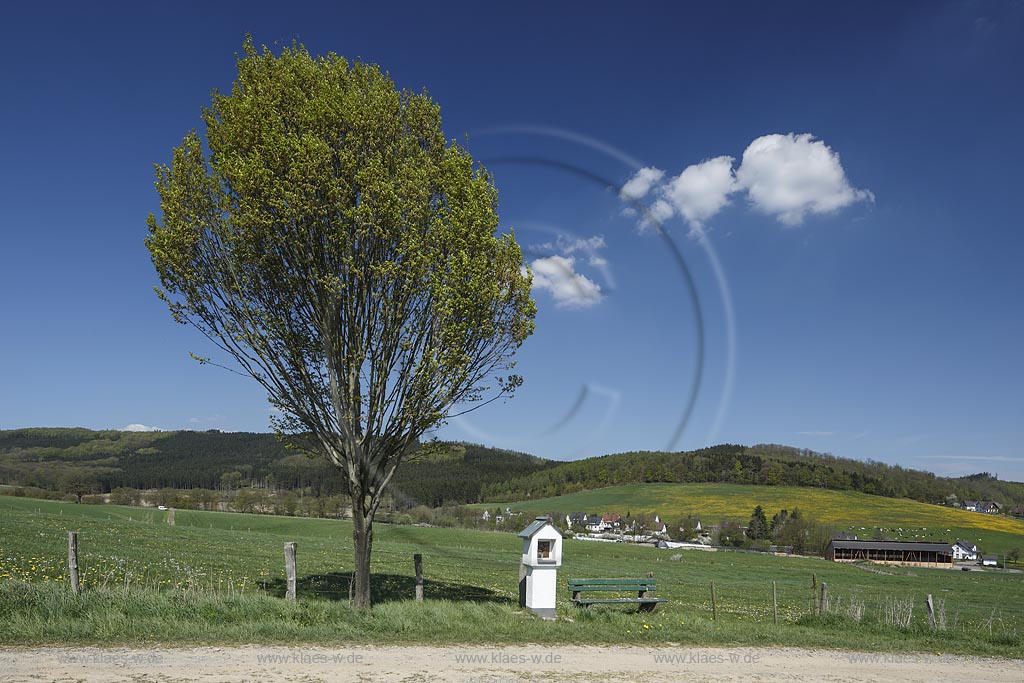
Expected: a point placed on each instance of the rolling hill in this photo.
(851, 511)
(40, 457)
(454, 473)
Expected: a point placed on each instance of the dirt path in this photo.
(484, 664)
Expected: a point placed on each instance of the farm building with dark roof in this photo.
(909, 553)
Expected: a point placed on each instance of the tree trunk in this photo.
(362, 535)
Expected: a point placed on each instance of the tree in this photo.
(778, 522)
(124, 496)
(290, 503)
(731, 534)
(230, 480)
(344, 255)
(166, 496)
(758, 528)
(686, 530)
(78, 483)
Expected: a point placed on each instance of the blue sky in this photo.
(840, 182)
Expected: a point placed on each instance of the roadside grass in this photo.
(48, 614)
(218, 578)
(851, 511)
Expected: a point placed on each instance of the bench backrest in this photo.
(612, 584)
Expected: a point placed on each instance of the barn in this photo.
(909, 553)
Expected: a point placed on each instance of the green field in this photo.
(217, 577)
(859, 513)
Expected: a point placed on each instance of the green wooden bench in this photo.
(642, 587)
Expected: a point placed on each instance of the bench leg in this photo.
(646, 606)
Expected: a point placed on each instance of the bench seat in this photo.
(616, 601)
(642, 587)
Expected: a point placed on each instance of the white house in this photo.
(965, 550)
(611, 520)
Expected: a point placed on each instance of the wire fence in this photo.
(237, 560)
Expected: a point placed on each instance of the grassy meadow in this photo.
(218, 578)
(852, 511)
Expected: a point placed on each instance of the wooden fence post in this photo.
(931, 611)
(289, 568)
(714, 602)
(823, 606)
(775, 603)
(76, 587)
(418, 562)
(170, 516)
(814, 593)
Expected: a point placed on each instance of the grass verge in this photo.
(34, 614)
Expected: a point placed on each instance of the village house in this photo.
(612, 520)
(576, 519)
(595, 524)
(965, 550)
(499, 518)
(988, 506)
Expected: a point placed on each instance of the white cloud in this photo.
(569, 245)
(586, 244)
(790, 176)
(136, 427)
(661, 211)
(701, 190)
(557, 276)
(656, 215)
(816, 433)
(641, 183)
(784, 176)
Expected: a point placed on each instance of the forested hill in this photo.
(44, 457)
(765, 464)
(454, 473)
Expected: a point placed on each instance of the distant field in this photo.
(852, 511)
(215, 577)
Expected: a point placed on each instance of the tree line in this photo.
(83, 462)
(767, 465)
